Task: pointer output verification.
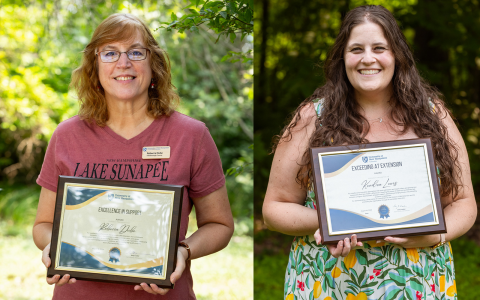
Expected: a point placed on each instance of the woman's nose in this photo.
(368, 57)
(123, 61)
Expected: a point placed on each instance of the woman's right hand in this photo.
(342, 248)
(56, 278)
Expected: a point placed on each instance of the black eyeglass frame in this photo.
(120, 54)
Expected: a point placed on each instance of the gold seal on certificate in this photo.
(115, 231)
(376, 190)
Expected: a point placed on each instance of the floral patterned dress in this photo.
(374, 271)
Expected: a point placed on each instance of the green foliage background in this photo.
(41, 43)
(292, 39)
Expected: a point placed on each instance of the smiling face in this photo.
(369, 60)
(125, 80)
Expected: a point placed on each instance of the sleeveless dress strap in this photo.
(318, 105)
(432, 105)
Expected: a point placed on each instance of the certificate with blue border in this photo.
(377, 189)
(115, 231)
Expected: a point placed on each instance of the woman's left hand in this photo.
(154, 289)
(418, 241)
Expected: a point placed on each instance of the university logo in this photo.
(114, 254)
(365, 159)
(145, 149)
(110, 196)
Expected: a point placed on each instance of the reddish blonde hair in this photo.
(162, 99)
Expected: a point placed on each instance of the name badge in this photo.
(156, 152)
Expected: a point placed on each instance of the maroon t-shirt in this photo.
(83, 149)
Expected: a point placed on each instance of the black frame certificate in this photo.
(376, 190)
(116, 231)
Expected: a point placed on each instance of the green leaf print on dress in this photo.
(373, 271)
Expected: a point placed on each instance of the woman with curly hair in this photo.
(373, 92)
(127, 102)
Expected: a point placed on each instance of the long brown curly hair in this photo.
(162, 99)
(410, 103)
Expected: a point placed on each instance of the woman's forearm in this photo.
(208, 239)
(42, 234)
(460, 217)
(290, 218)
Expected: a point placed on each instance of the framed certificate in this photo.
(115, 231)
(376, 190)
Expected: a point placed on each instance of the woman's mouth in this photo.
(368, 72)
(124, 78)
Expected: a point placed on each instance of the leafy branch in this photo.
(227, 18)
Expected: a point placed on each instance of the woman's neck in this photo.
(128, 119)
(374, 105)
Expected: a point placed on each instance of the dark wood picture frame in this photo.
(380, 234)
(169, 265)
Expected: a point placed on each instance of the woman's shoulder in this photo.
(307, 115)
(301, 126)
(69, 125)
(183, 122)
(439, 108)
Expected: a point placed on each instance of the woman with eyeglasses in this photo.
(373, 92)
(127, 102)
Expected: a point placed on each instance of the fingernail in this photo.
(341, 243)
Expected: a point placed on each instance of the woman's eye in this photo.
(137, 53)
(356, 49)
(380, 48)
(110, 53)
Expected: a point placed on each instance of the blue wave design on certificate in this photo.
(344, 220)
(77, 195)
(74, 257)
(334, 165)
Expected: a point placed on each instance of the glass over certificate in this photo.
(377, 187)
(105, 229)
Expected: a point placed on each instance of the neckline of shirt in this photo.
(157, 122)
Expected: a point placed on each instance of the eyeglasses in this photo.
(109, 56)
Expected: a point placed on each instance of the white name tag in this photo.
(156, 152)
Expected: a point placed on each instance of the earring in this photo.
(152, 85)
